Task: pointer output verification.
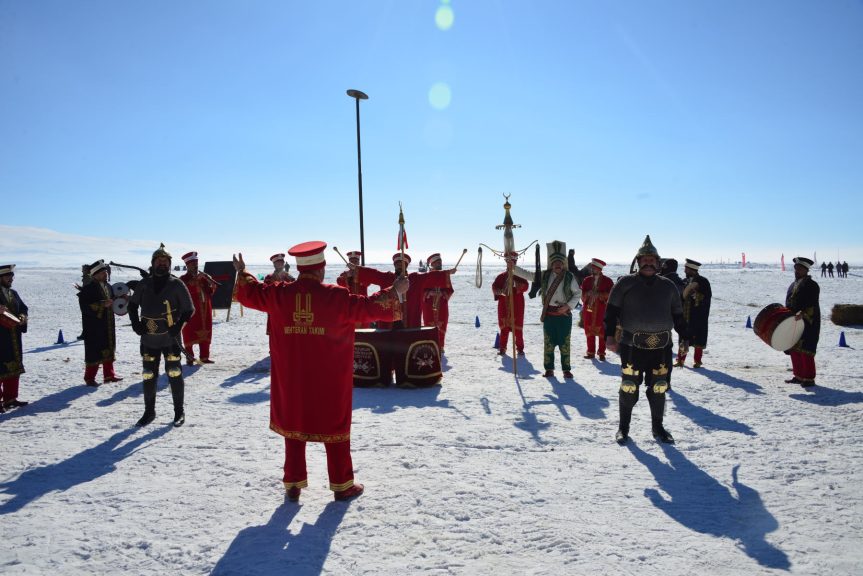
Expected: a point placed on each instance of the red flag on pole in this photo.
(402, 242)
(743, 255)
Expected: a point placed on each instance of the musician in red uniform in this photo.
(350, 281)
(409, 314)
(312, 350)
(803, 299)
(594, 299)
(280, 270)
(436, 302)
(500, 290)
(199, 329)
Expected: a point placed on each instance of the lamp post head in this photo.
(359, 95)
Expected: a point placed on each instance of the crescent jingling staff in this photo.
(509, 252)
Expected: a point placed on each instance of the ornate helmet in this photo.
(647, 249)
(160, 253)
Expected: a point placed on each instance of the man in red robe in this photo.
(594, 299)
(436, 303)
(312, 351)
(501, 293)
(280, 270)
(409, 314)
(199, 329)
(350, 281)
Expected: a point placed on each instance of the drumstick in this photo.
(340, 254)
(463, 252)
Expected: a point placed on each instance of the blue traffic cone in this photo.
(60, 338)
(497, 341)
(477, 322)
(842, 343)
(749, 321)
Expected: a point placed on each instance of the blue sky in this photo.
(717, 127)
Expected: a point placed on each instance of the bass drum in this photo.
(777, 326)
(120, 306)
(120, 289)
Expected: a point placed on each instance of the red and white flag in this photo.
(402, 242)
(743, 255)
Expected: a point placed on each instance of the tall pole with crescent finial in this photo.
(509, 253)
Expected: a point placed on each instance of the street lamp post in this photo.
(357, 96)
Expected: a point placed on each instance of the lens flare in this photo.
(440, 96)
(444, 17)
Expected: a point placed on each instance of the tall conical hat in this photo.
(647, 249)
(556, 250)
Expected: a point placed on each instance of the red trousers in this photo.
(339, 465)
(591, 344)
(9, 388)
(803, 366)
(91, 371)
(519, 339)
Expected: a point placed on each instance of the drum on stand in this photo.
(777, 326)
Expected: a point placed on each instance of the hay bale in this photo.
(847, 314)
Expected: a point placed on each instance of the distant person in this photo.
(823, 269)
(436, 302)
(646, 306)
(594, 299)
(351, 281)
(501, 292)
(697, 295)
(802, 299)
(13, 323)
(199, 329)
(165, 306)
(560, 293)
(100, 336)
(830, 269)
(281, 270)
(668, 269)
(845, 269)
(312, 350)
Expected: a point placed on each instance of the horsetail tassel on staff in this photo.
(509, 253)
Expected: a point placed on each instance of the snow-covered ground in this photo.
(487, 474)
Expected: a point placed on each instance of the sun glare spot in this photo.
(444, 17)
(440, 95)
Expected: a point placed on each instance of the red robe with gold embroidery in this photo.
(594, 299)
(436, 310)
(312, 352)
(199, 328)
(410, 312)
(519, 287)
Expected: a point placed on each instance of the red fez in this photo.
(309, 255)
(189, 256)
(597, 263)
(433, 258)
(354, 254)
(398, 256)
(275, 257)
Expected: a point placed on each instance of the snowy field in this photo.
(487, 474)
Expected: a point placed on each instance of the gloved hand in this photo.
(175, 330)
(138, 327)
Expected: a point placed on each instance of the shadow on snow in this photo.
(821, 396)
(273, 549)
(729, 380)
(705, 418)
(701, 503)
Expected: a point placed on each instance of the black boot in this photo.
(621, 437)
(662, 434)
(179, 419)
(657, 411)
(626, 403)
(149, 403)
(177, 393)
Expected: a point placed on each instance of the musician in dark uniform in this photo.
(802, 299)
(14, 323)
(165, 306)
(696, 311)
(100, 339)
(646, 307)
